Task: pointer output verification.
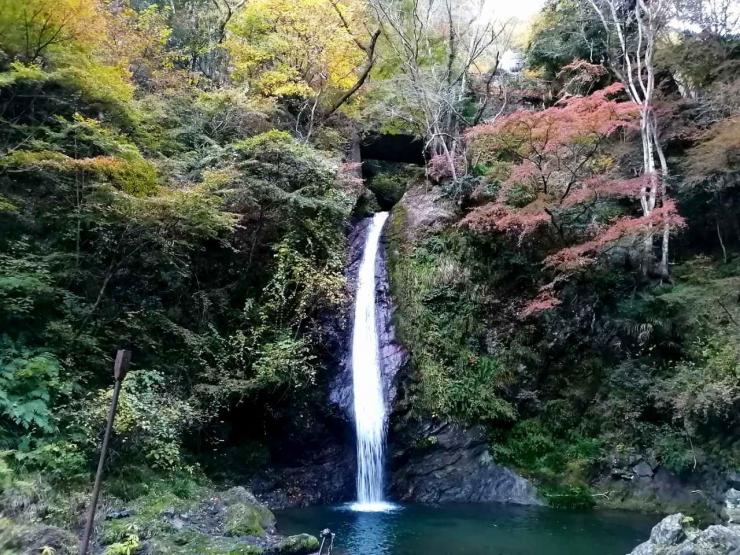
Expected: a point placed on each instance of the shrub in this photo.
(149, 422)
(706, 387)
(675, 451)
(30, 383)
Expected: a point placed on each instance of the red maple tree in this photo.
(558, 173)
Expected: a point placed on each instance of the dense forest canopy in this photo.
(178, 177)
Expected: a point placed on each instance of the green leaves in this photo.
(29, 384)
(285, 362)
(149, 423)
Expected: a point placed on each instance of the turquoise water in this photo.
(472, 529)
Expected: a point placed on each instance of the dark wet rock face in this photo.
(326, 480)
(447, 463)
(638, 481)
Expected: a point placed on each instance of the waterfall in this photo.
(367, 386)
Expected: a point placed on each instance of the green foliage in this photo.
(149, 422)
(706, 387)
(285, 363)
(563, 32)
(560, 462)
(129, 546)
(577, 496)
(389, 181)
(26, 285)
(675, 451)
(535, 448)
(439, 317)
(30, 382)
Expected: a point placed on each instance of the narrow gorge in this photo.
(369, 277)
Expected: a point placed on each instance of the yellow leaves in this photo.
(137, 40)
(295, 47)
(602, 163)
(98, 82)
(718, 151)
(31, 29)
(134, 175)
(64, 37)
(284, 81)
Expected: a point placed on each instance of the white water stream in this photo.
(367, 387)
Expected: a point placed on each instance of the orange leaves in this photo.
(559, 176)
(578, 256)
(576, 119)
(545, 300)
(557, 160)
(496, 216)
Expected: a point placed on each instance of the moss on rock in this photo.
(33, 538)
(243, 519)
(300, 544)
(191, 542)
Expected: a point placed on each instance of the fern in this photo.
(29, 383)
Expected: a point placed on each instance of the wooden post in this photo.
(123, 358)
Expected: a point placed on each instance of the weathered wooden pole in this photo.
(120, 367)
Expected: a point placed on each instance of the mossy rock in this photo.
(243, 519)
(191, 542)
(300, 544)
(367, 205)
(388, 189)
(145, 519)
(33, 538)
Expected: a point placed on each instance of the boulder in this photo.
(669, 531)
(453, 464)
(300, 544)
(675, 535)
(732, 506)
(244, 519)
(239, 494)
(643, 470)
(35, 538)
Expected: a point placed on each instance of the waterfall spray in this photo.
(369, 405)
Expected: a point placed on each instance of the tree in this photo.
(562, 32)
(711, 168)
(137, 41)
(637, 27)
(716, 17)
(30, 29)
(437, 46)
(560, 177)
(319, 52)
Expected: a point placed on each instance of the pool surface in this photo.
(472, 529)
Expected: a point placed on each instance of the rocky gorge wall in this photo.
(430, 459)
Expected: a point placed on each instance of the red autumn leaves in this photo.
(556, 174)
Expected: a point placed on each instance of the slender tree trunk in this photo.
(721, 242)
(663, 268)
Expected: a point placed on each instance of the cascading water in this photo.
(367, 387)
